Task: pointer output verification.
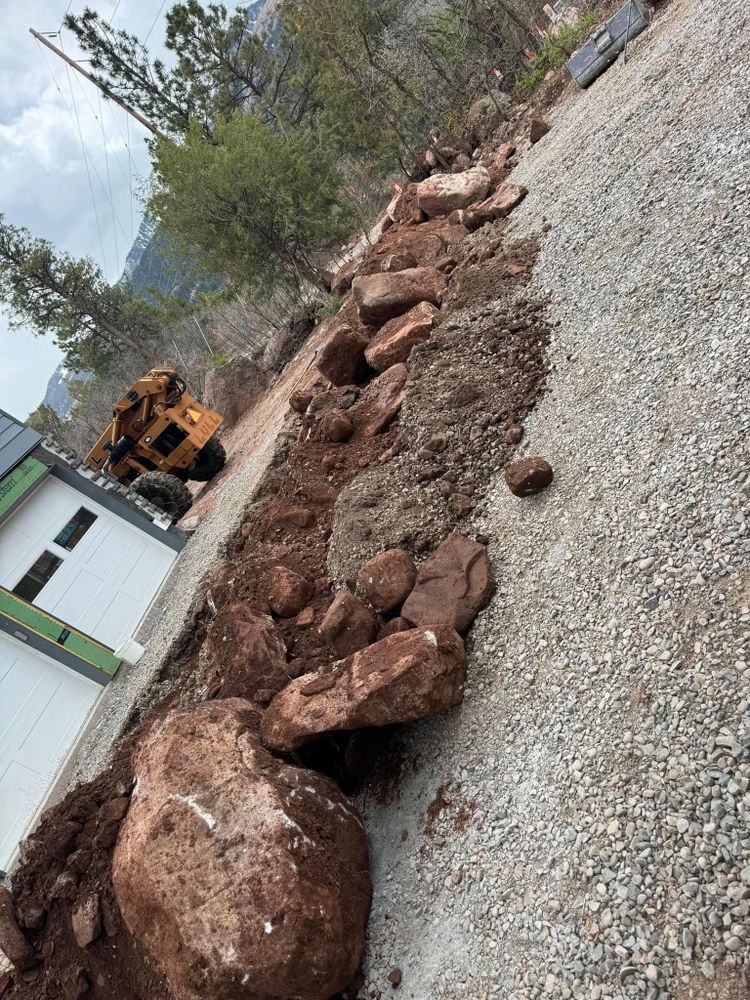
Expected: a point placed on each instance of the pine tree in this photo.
(260, 204)
(67, 297)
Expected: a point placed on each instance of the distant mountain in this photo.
(57, 396)
(154, 264)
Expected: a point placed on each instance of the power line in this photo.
(73, 115)
(108, 189)
(109, 180)
(88, 172)
(153, 25)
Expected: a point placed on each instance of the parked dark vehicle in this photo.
(607, 42)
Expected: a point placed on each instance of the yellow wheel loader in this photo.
(159, 438)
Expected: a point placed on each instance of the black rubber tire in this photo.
(209, 461)
(164, 491)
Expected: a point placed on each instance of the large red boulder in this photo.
(379, 297)
(442, 194)
(347, 626)
(245, 878)
(387, 579)
(341, 359)
(248, 648)
(452, 586)
(407, 676)
(394, 342)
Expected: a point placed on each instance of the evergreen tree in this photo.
(260, 204)
(55, 293)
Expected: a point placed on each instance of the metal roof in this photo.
(16, 441)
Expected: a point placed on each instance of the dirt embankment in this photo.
(321, 510)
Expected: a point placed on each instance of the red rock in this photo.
(381, 401)
(442, 194)
(379, 297)
(497, 165)
(437, 442)
(243, 877)
(246, 647)
(502, 203)
(336, 426)
(537, 130)
(387, 579)
(299, 401)
(341, 359)
(16, 948)
(394, 977)
(86, 920)
(342, 281)
(528, 476)
(306, 617)
(460, 504)
(452, 586)
(447, 264)
(294, 517)
(347, 625)
(394, 626)
(514, 434)
(407, 676)
(394, 342)
(403, 207)
(288, 592)
(515, 269)
(394, 262)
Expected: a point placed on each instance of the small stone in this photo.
(528, 476)
(394, 977)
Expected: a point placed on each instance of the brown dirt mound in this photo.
(474, 381)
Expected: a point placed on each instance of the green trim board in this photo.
(82, 647)
(18, 482)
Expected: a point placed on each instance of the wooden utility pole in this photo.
(92, 79)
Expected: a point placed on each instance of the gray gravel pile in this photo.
(580, 827)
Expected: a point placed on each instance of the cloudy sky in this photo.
(44, 183)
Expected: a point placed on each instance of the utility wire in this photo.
(76, 122)
(109, 179)
(108, 189)
(86, 163)
(153, 25)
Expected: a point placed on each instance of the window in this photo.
(37, 577)
(75, 529)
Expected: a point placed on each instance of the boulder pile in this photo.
(244, 876)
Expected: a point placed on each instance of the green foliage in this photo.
(218, 360)
(45, 421)
(220, 69)
(334, 302)
(54, 293)
(553, 54)
(258, 203)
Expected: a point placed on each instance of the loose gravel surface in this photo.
(580, 827)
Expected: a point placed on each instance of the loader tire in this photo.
(164, 491)
(209, 461)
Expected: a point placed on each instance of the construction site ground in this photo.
(580, 826)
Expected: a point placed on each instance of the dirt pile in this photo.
(372, 463)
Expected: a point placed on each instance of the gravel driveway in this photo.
(588, 832)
